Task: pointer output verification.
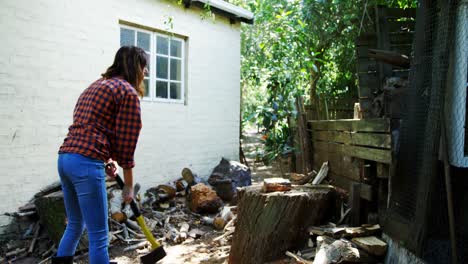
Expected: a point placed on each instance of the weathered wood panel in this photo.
(375, 125)
(339, 164)
(366, 191)
(378, 155)
(352, 138)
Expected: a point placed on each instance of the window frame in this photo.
(152, 61)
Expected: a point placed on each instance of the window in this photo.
(164, 81)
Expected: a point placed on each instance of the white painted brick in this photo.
(52, 50)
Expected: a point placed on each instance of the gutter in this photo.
(225, 8)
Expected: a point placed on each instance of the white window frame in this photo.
(152, 61)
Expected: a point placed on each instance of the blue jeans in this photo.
(85, 196)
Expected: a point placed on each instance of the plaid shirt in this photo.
(106, 122)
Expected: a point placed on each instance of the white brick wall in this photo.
(52, 50)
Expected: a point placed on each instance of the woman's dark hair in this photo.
(129, 63)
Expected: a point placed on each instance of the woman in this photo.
(106, 125)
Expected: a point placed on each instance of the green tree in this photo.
(296, 48)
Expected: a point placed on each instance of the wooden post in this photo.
(355, 202)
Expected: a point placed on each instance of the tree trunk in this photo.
(269, 224)
(51, 211)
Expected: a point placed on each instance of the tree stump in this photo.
(269, 224)
(52, 215)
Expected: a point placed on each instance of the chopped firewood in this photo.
(224, 235)
(297, 258)
(196, 233)
(36, 235)
(203, 199)
(136, 246)
(230, 223)
(132, 224)
(338, 251)
(308, 253)
(328, 231)
(51, 250)
(119, 217)
(276, 185)
(322, 174)
(181, 185)
(343, 216)
(15, 252)
(207, 220)
(300, 179)
(361, 231)
(170, 190)
(45, 260)
(184, 227)
(371, 245)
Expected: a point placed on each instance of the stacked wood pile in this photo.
(176, 212)
(342, 244)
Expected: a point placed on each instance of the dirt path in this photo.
(253, 148)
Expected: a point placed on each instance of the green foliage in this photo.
(296, 48)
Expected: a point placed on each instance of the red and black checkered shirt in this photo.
(106, 122)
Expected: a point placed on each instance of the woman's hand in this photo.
(112, 168)
(127, 194)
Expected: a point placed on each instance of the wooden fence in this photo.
(358, 151)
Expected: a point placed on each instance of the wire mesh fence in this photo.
(437, 99)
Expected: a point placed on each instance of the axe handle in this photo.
(140, 220)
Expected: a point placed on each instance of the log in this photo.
(276, 185)
(269, 224)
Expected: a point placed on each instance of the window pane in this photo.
(146, 83)
(127, 37)
(148, 65)
(161, 67)
(162, 45)
(176, 69)
(176, 48)
(161, 89)
(143, 41)
(175, 91)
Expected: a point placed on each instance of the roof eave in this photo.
(226, 9)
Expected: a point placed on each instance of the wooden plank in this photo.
(345, 166)
(344, 183)
(352, 138)
(379, 155)
(370, 40)
(378, 125)
(355, 202)
(372, 140)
